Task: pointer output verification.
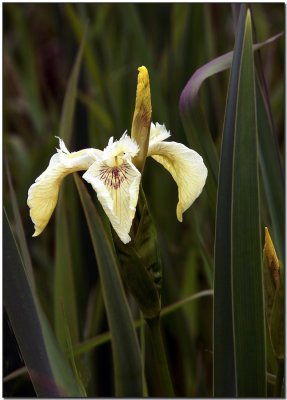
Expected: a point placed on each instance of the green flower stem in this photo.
(279, 379)
(160, 384)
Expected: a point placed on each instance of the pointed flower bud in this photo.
(142, 117)
(272, 259)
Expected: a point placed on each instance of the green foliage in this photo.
(126, 355)
(47, 366)
(246, 237)
(70, 70)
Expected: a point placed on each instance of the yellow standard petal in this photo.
(185, 165)
(116, 182)
(43, 194)
(142, 117)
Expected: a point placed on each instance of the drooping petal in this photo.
(43, 194)
(185, 165)
(117, 189)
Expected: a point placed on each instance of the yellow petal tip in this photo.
(143, 73)
(271, 256)
(142, 116)
(270, 251)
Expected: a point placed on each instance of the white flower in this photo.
(116, 180)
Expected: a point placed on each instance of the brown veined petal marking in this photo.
(117, 188)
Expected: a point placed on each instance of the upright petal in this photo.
(43, 194)
(117, 189)
(142, 117)
(185, 165)
(158, 133)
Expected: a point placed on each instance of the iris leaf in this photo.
(126, 353)
(224, 383)
(247, 288)
(48, 369)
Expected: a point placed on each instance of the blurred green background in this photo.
(172, 40)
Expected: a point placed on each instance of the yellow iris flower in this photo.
(116, 179)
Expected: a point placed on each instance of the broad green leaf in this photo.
(224, 383)
(48, 369)
(64, 280)
(125, 347)
(246, 252)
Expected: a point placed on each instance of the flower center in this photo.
(114, 176)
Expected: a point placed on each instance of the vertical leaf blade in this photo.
(223, 346)
(49, 371)
(65, 301)
(247, 288)
(126, 353)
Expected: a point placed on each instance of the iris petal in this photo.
(117, 189)
(185, 165)
(43, 194)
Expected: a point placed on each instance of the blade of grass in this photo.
(126, 353)
(247, 288)
(48, 369)
(224, 381)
